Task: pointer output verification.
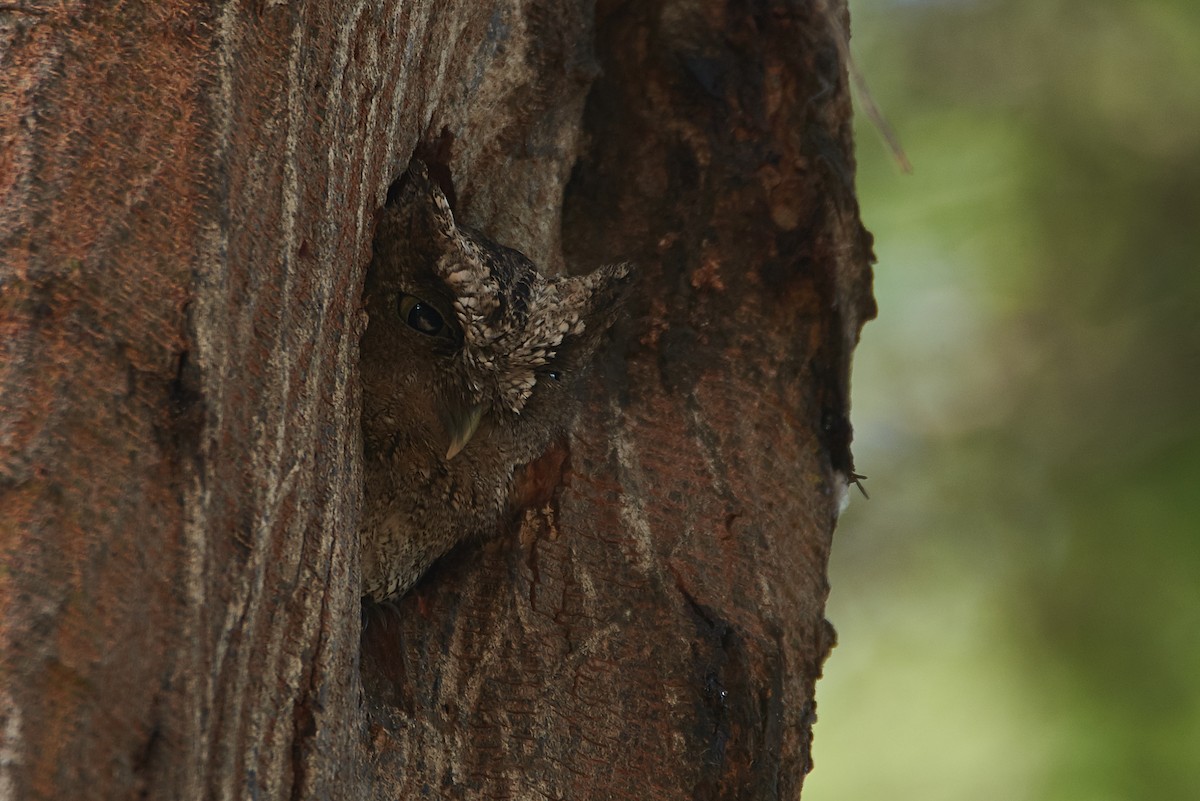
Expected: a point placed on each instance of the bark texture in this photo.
(187, 195)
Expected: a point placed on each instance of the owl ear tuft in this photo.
(596, 301)
(605, 290)
(417, 193)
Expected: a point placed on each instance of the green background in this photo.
(1018, 603)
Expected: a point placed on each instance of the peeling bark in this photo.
(186, 208)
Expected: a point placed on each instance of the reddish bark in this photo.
(186, 206)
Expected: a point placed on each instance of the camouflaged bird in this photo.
(468, 363)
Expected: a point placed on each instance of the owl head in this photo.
(463, 331)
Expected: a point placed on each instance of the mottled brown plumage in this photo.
(468, 363)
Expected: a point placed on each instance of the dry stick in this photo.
(869, 107)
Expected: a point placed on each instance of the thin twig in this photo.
(869, 107)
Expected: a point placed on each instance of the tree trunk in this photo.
(187, 196)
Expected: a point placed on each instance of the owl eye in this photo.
(421, 316)
(554, 375)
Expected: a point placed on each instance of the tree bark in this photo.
(187, 196)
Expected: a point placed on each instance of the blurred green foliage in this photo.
(1018, 605)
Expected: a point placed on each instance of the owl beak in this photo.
(461, 427)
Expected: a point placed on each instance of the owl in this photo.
(469, 361)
